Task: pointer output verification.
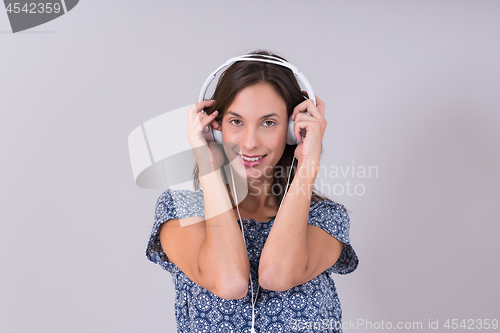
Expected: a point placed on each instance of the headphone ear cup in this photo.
(291, 139)
(208, 133)
(212, 135)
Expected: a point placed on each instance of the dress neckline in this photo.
(256, 220)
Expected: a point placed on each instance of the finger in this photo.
(307, 105)
(320, 105)
(300, 126)
(201, 121)
(206, 119)
(304, 125)
(215, 124)
(307, 95)
(204, 104)
(193, 110)
(200, 106)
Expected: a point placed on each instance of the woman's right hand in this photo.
(210, 158)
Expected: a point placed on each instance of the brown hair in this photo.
(243, 74)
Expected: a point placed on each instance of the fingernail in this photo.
(216, 112)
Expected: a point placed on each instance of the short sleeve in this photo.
(333, 218)
(172, 204)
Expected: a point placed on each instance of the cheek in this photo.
(227, 135)
(278, 148)
(278, 139)
(281, 142)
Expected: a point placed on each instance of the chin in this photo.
(249, 174)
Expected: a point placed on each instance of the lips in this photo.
(251, 155)
(252, 158)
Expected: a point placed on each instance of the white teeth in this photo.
(251, 159)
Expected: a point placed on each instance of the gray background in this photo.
(411, 87)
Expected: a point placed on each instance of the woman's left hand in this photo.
(309, 148)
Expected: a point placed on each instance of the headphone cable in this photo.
(235, 198)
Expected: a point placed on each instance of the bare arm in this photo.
(295, 252)
(210, 252)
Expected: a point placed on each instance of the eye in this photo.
(232, 122)
(270, 123)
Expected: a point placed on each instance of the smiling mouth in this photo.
(251, 159)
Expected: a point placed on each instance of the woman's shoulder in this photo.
(180, 203)
(332, 217)
(180, 194)
(327, 204)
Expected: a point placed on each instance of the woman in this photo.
(277, 277)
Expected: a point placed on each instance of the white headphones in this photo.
(213, 135)
(156, 162)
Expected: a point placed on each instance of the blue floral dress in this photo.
(311, 307)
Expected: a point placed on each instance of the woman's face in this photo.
(257, 123)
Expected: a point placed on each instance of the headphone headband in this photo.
(154, 158)
(262, 58)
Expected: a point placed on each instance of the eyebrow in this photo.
(266, 116)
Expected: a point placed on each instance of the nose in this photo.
(250, 138)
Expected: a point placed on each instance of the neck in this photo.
(259, 195)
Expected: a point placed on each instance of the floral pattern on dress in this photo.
(311, 307)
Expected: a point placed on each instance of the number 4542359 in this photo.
(34, 8)
(471, 324)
